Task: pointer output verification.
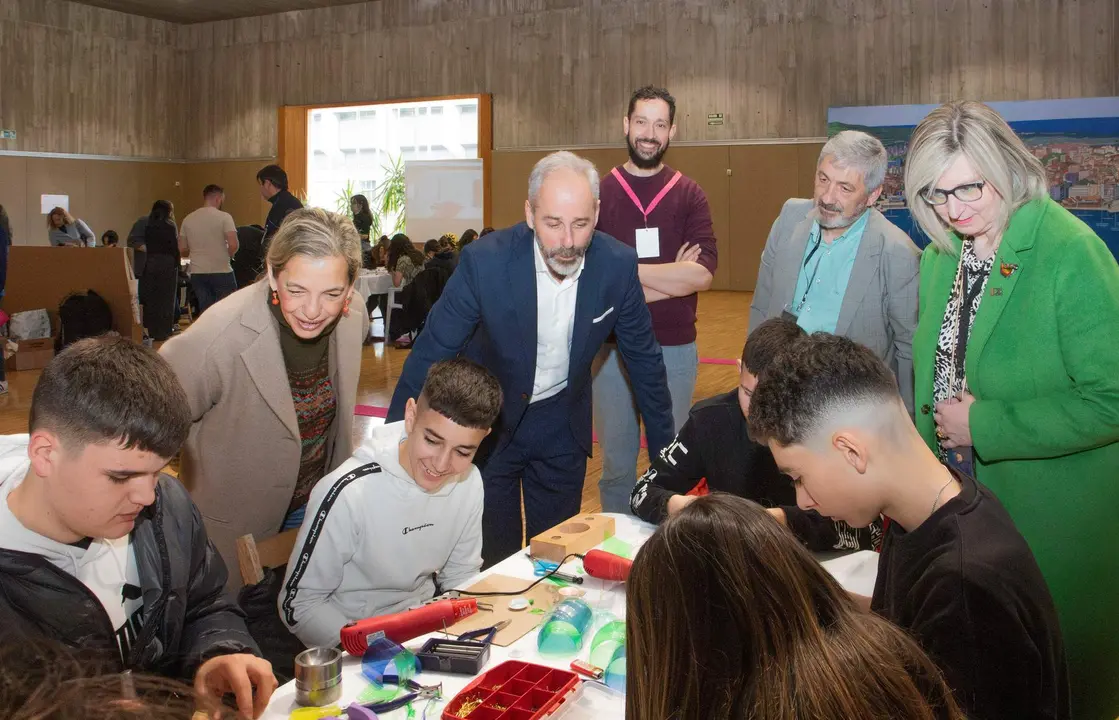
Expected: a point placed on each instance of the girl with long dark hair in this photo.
(729, 616)
(160, 282)
(405, 261)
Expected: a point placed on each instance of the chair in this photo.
(253, 557)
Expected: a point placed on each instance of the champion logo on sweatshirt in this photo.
(407, 530)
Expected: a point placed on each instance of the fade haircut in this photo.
(212, 190)
(109, 389)
(464, 392)
(768, 341)
(815, 380)
(652, 92)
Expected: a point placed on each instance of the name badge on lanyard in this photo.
(647, 239)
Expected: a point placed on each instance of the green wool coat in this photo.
(1043, 363)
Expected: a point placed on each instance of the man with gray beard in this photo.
(835, 264)
(533, 304)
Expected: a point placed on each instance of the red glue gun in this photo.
(403, 626)
(606, 566)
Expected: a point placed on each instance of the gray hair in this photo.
(559, 161)
(855, 149)
(980, 134)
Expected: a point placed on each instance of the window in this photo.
(355, 144)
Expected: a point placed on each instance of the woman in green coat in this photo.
(1016, 364)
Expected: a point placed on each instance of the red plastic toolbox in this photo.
(513, 691)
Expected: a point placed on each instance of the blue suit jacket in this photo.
(488, 313)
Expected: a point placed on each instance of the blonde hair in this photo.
(980, 134)
(67, 218)
(314, 232)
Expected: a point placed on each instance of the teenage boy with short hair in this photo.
(101, 551)
(954, 571)
(401, 520)
(714, 445)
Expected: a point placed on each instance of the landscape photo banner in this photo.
(1077, 140)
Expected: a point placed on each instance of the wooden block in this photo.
(577, 535)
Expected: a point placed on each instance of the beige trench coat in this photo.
(241, 458)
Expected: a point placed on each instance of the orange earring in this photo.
(275, 298)
(346, 308)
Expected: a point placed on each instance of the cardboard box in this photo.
(32, 354)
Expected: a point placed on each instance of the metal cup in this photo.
(318, 676)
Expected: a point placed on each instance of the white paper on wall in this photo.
(50, 202)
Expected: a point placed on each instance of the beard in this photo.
(834, 219)
(562, 261)
(646, 162)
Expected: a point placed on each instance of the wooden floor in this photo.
(721, 326)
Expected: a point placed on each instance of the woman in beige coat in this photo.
(271, 373)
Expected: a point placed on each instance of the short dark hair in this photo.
(809, 379)
(485, 231)
(107, 389)
(652, 92)
(767, 342)
(274, 174)
(212, 189)
(110, 237)
(432, 246)
(464, 392)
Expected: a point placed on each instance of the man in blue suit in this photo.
(533, 303)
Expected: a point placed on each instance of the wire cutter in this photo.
(372, 710)
(485, 635)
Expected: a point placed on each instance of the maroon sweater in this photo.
(682, 217)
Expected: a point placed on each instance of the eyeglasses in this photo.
(964, 193)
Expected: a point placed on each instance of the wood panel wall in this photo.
(79, 79)
(746, 185)
(107, 194)
(561, 71)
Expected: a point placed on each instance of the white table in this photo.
(856, 572)
(370, 283)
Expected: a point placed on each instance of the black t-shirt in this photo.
(966, 585)
(283, 204)
(714, 444)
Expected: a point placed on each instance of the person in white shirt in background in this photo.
(208, 237)
(400, 521)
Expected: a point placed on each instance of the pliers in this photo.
(485, 635)
(418, 692)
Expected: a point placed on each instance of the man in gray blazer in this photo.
(838, 265)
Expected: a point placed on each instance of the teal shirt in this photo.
(827, 268)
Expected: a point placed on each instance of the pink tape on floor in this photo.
(371, 411)
(717, 361)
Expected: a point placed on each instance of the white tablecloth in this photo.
(371, 283)
(856, 572)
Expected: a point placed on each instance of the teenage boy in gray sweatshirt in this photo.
(401, 520)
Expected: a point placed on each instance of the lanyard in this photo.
(633, 196)
(815, 271)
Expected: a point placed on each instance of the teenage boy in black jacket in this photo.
(102, 552)
(954, 571)
(273, 183)
(714, 445)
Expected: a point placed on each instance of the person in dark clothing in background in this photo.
(954, 570)
(436, 254)
(160, 282)
(136, 242)
(99, 549)
(5, 243)
(248, 263)
(714, 445)
(274, 188)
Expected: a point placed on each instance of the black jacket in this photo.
(714, 445)
(283, 204)
(187, 616)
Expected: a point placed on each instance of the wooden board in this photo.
(522, 622)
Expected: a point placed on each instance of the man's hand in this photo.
(688, 253)
(676, 503)
(238, 674)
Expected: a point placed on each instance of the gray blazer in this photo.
(880, 307)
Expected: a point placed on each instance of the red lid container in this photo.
(513, 691)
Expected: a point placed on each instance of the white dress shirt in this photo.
(555, 322)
